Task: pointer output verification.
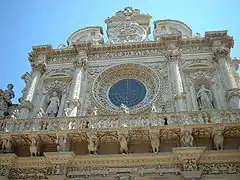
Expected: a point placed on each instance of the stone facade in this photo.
(127, 108)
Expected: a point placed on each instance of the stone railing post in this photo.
(26, 105)
(189, 157)
(80, 65)
(174, 57)
(221, 55)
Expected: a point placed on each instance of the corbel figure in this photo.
(93, 143)
(218, 137)
(61, 142)
(6, 144)
(123, 140)
(186, 138)
(155, 142)
(35, 146)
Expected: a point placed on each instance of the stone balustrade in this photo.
(117, 121)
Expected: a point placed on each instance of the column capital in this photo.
(81, 60)
(39, 66)
(173, 54)
(221, 52)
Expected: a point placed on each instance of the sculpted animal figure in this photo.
(93, 143)
(218, 140)
(123, 144)
(155, 143)
(34, 147)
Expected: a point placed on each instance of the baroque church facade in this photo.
(129, 107)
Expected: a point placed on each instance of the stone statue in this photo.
(204, 98)
(61, 143)
(53, 106)
(187, 139)
(218, 140)
(95, 111)
(123, 143)
(154, 109)
(155, 142)
(5, 100)
(124, 108)
(9, 94)
(40, 113)
(93, 143)
(6, 145)
(34, 147)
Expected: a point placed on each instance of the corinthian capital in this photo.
(81, 60)
(221, 52)
(39, 66)
(173, 54)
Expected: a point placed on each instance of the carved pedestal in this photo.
(189, 157)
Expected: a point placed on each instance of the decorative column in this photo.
(26, 105)
(80, 65)
(193, 97)
(221, 55)
(173, 57)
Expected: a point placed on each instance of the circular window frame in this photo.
(110, 76)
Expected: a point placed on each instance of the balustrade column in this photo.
(26, 105)
(233, 96)
(173, 57)
(80, 65)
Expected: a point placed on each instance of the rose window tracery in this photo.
(127, 91)
(134, 85)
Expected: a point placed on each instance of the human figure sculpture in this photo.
(124, 108)
(154, 109)
(53, 106)
(155, 142)
(204, 97)
(34, 147)
(123, 144)
(218, 140)
(6, 145)
(9, 94)
(93, 144)
(95, 111)
(187, 139)
(61, 143)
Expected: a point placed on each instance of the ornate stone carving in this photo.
(205, 99)
(221, 52)
(123, 140)
(155, 140)
(233, 98)
(93, 143)
(173, 54)
(7, 144)
(35, 146)
(187, 138)
(39, 66)
(53, 105)
(61, 143)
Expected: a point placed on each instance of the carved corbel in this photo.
(6, 143)
(62, 142)
(154, 139)
(123, 139)
(186, 137)
(35, 145)
(93, 142)
(217, 135)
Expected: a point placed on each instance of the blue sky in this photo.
(26, 23)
